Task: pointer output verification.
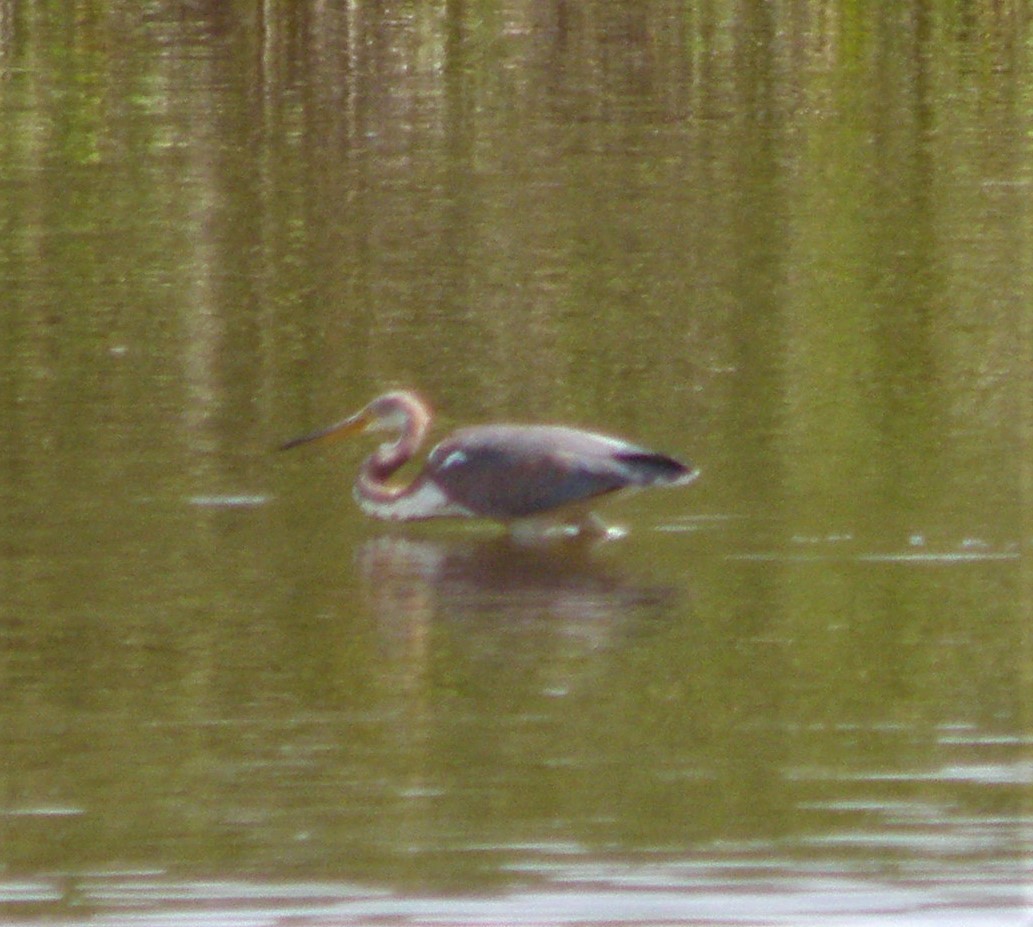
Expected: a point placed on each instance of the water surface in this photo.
(788, 244)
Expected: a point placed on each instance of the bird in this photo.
(533, 479)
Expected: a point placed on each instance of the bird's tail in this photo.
(658, 469)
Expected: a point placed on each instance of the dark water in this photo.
(789, 243)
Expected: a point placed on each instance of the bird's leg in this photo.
(529, 530)
(581, 528)
(591, 527)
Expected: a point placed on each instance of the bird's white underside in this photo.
(425, 501)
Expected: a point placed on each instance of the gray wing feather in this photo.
(515, 471)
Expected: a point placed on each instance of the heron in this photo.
(531, 478)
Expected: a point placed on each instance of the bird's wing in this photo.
(514, 471)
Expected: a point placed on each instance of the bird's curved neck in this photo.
(374, 488)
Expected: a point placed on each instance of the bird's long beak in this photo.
(354, 424)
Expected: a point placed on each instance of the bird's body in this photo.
(507, 473)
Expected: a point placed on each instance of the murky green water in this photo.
(787, 242)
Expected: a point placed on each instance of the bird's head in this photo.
(398, 411)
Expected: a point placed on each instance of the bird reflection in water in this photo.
(497, 586)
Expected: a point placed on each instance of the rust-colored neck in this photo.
(413, 419)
